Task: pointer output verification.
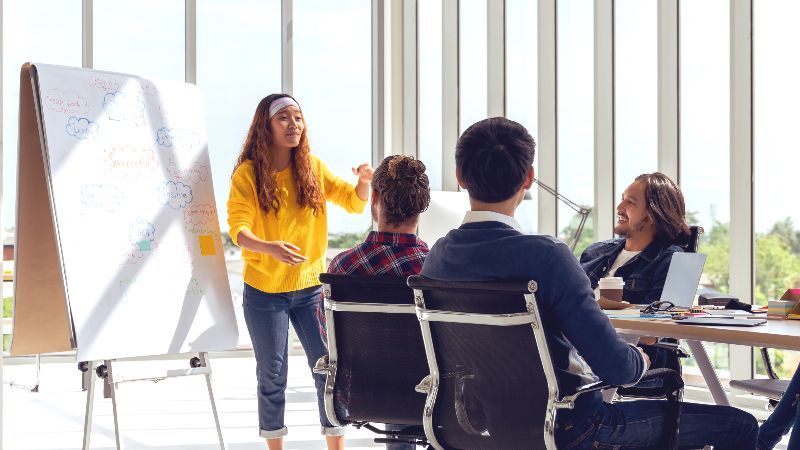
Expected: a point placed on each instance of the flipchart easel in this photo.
(52, 287)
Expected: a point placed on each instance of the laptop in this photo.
(683, 278)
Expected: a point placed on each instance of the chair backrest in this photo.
(692, 242)
(491, 383)
(375, 346)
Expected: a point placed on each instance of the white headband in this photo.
(281, 103)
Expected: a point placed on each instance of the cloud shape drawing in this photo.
(178, 138)
(105, 84)
(102, 196)
(122, 106)
(142, 230)
(176, 195)
(194, 174)
(130, 161)
(204, 214)
(81, 127)
(66, 102)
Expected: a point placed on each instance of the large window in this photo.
(30, 36)
(705, 138)
(332, 82)
(232, 87)
(429, 35)
(144, 38)
(472, 35)
(635, 91)
(521, 87)
(575, 54)
(775, 117)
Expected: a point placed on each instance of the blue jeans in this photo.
(640, 424)
(267, 317)
(785, 415)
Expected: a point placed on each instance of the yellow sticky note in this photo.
(207, 245)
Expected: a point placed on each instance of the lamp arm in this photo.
(584, 211)
(580, 209)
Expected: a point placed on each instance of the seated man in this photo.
(651, 222)
(400, 192)
(494, 160)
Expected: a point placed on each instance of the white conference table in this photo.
(776, 333)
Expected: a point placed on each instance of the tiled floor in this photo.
(173, 414)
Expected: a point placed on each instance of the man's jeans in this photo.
(640, 424)
(785, 416)
(267, 317)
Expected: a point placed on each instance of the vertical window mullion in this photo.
(450, 88)
(668, 89)
(604, 119)
(87, 37)
(190, 41)
(546, 149)
(287, 49)
(741, 181)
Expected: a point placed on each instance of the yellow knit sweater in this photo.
(293, 224)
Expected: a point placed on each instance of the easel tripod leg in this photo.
(87, 418)
(204, 363)
(114, 393)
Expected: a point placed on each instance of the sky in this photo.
(238, 63)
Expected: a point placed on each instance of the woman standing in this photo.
(278, 216)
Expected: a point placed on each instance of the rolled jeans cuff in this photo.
(273, 434)
(332, 431)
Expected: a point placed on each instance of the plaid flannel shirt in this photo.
(393, 254)
(382, 254)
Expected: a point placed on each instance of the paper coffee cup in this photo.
(611, 288)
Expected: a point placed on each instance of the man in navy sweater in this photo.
(494, 163)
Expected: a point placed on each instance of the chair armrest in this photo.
(671, 379)
(322, 366)
(671, 346)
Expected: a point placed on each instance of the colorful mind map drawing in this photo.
(194, 174)
(142, 234)
(175, 194)
(130, 161)
(68, 102)
(177, 138)
(105, 197)
(82, 128)
(200, 219)
(124, 106)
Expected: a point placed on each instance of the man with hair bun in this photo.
(400, 192)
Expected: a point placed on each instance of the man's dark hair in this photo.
(403, 188)
(665, 206)
(493, 157)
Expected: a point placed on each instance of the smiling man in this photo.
(651, 222)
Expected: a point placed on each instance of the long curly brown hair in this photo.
(256, 148)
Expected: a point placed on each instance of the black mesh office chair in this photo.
(492, 384)
(772, 387)
(376, 355)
